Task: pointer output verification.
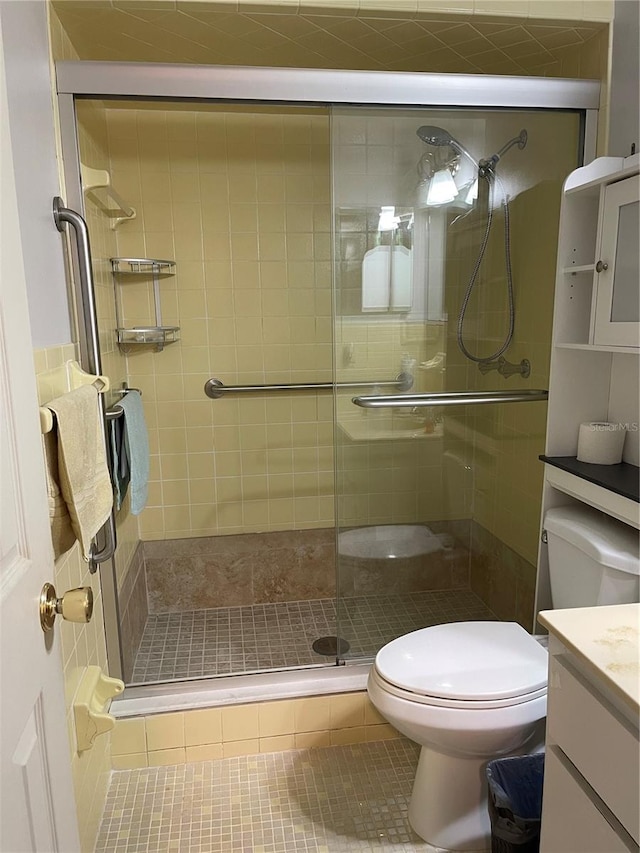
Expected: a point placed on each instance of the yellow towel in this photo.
(84, 477)
(61, 531)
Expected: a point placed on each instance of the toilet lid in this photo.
(466, 660)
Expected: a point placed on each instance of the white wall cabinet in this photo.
(595, 358)
(616, 306)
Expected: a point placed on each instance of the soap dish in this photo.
(91, 706)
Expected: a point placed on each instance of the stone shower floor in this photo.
(332, 800)
(224, 640)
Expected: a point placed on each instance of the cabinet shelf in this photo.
(600, 348)
(622, 479)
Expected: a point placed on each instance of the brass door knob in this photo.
(76, 605)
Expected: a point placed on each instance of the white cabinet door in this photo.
(617, 278)
(37, 809)
(571, 821)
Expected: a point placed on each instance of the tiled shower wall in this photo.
(501, 443)
(92, 136)
(240, 200)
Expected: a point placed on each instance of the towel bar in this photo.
(114, 413)
(67, 378)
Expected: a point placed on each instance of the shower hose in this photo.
(491, 179)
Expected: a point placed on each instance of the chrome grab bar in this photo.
(104, 551)
(449, 398)
(215, 389)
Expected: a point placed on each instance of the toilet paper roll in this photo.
(600, 443)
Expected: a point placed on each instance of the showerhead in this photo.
(438, 136)
(434, 135)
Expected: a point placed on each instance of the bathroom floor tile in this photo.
(333, 800)
(225, 640)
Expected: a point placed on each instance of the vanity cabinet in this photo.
(591, 799)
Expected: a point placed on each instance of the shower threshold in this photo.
(251, 639)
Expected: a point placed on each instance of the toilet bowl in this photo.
(466, 692)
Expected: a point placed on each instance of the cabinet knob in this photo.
(601, 266)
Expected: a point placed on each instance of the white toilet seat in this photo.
(462, 704)
(465, 664)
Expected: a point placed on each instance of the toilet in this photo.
(468, 692)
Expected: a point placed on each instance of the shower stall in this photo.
(336, 304)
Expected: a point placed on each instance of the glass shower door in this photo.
(435, 522)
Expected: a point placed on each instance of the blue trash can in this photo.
(515, 803)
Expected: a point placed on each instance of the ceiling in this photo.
(196, 32)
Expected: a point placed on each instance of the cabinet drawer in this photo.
(597, 740)
(571, 819)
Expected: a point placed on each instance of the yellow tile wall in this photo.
(92, 138)
(504, 441)
(200, 735)
(240, 200)
(82, 646)
(387, 481)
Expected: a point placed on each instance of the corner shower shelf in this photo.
(157, 334)
(142, 266)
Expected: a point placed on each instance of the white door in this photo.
(37, 809)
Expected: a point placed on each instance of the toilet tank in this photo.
(593, 559)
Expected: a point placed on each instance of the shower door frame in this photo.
(256, 85)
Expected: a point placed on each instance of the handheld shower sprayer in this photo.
(437, 136)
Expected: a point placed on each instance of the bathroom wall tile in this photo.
(130, 761)
(162, 757)
(353, 734)
(240, 747)
(205, 752)
(383, 731)
(276, 718)
(240, 723)
(203, 727)
(312, 714)
(165, 731)
(312, 740)
(346, 710)
(277, 744)
(128, 736)
(371, 715)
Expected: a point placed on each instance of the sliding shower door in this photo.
(438, 506)
(239, 177)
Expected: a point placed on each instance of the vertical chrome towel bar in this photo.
(105, 549)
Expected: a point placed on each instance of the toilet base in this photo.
(448, 807)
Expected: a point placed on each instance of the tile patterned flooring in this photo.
(333, 800)
(224, 640)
